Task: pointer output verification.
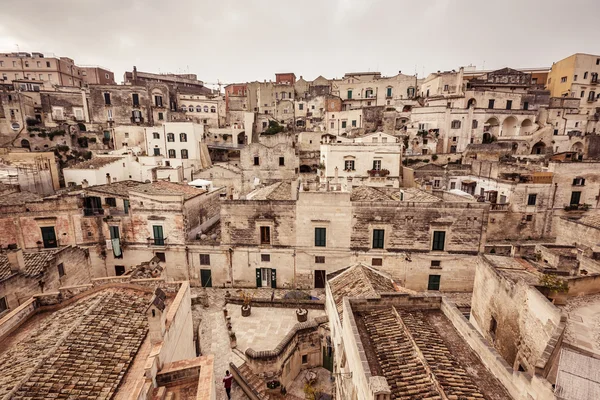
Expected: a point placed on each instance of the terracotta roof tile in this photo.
(96, 163)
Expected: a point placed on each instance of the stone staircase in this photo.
(251, 384)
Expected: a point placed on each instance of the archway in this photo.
(492, 126)
(305, 169)
(578, 147)
(407, 109)
(526, 127)
(472, 103)
(488, 138)
(510, 127)
(538, 148)
(241, 138)
(25, 144)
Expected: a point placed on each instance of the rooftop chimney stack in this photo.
(16, 260)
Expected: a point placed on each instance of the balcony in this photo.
(137, 120)
(90, 212)
(157, 241)
(499, 207)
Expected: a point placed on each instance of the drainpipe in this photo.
(294, 255)
(187, 262)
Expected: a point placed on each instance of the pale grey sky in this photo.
(244, 40)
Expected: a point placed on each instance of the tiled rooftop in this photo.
(81, 351)
(407, 347)
(358, 281)
(19, 198)
(165, 187)
(276, 191)
(96, 163)
(35, 263)
(592, 220)
(117, 188)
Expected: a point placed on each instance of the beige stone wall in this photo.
(525, 319)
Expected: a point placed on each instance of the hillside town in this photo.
(361, 237)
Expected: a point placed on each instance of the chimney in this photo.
(16, 260)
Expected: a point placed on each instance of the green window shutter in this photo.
(439, 237)
(114, 232)
(349, 94)
(273, 278)
(378, 236)
(321, 237)
(434, 282)
(343, 124)
(126, 206)
(389, 92)
(258, 278)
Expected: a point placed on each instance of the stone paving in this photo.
(80, 351)
(214, 338)
(266, 327)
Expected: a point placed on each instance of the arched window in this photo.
(183, 108)
(170, 137)
(205, 108)
(198, 109)
(213, 109)
(182, 137)
(172, 153)
(191, 109)
(184, 153)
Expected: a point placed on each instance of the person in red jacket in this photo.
(227, 381)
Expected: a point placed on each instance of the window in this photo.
(374, 140)
(204, 259)
(256, 160)
(320, 237)
(301, 106)
(491, 103)
(377, 165)
(531, 199)
(332, 125)
(425, 141)
(579, 182)
(61, 270)
(161, 256)
(198, 109)
(529, 217)
(575, 198)
(434, 282)
(388, 92)
(304, 359)
(424, 151)
(161, 116)
(281, 161)
(136, 99)
(213, 109)
(508, 104)
(526, 105)
(265, 257)
(349, 165)
(3, 304)
(343, 124)
(182, 137)
(126, 206)
(349, 94)
(436, 183)
(574, 78)
(14, 63)
(170, 137)
(585, 74)
(445, 88)
(597, 61)
(205, 109)
(436, 264)
(354, 123)
(452, 185)
(377, 262)
(265, 235)
(159, 239)
(107, 99)
(319, 259)
(172, 153)
(184, 153)
(563, 79)
(493, 327)
(155, 135)
(111, 201)
(156, 151)
(378, 236)
(455, 124)
(439, 238)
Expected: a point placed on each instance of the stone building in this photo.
(537, 326)
(48, 70)
(272, 158)
(94, 75)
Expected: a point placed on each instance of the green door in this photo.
(273, 278)
(206, 277)
(49, 237)
(434, 282)
(258, 278)
(328, 358)
(159, 239)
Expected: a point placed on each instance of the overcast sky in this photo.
(245, 40)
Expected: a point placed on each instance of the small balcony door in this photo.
(49, 237)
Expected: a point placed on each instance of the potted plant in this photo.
(246, 306)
